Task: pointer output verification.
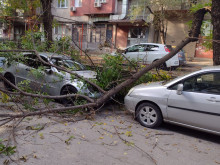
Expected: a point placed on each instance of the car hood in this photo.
(149, 85)
(155, 89)
(86, 74)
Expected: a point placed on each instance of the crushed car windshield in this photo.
(67, 63)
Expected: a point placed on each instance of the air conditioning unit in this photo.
(72, 8)
(102, 1)
(97, 4)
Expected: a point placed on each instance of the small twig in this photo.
(125, 141)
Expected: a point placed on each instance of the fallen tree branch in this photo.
(38, 95)
(53, 110)
(125, 141)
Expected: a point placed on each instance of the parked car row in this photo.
(192, 100)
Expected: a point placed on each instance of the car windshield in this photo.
(68, 63)
(168, 81)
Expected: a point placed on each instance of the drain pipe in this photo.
(123, 13)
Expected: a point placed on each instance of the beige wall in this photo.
(177, 30)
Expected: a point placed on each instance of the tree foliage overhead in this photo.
(28, 8)
(9, 7)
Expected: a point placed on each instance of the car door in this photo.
(24, 71)
(153, 53)
(136, 53)
(50, 80)
(199, 103)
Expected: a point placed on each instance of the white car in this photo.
(150, 52)
(192, 101)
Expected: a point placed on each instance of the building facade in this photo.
(96, 23)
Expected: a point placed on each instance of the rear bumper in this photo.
(172, 63)
(182, 62)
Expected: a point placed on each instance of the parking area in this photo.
(111, 136)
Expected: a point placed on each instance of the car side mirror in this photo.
(48, 71)
(179, 89)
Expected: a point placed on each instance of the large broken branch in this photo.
(20, 92)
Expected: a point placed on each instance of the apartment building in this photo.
(93, 23)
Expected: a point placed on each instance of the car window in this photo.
(68, 63)
(32, 60)
(134, 48)
(204, 83)
(151, 47)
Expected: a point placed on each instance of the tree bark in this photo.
(47, 20)
(216, 31)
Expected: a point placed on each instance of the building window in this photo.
(61, 30)
(78, 34)
(98, 34)
(62, 3)
(78, 3)
(137, 33)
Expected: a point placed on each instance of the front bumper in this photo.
(130, 103)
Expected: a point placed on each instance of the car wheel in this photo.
(10, 78)
(69, 100)
(162, 67)
(149, 115)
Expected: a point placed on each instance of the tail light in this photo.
(166, 49)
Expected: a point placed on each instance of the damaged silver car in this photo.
(29, 70)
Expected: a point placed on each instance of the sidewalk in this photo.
(200, 62)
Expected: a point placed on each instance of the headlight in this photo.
(130, 91)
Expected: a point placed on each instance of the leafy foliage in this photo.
(32, 40)
(115, 69)
(6, 150)
(111, 72)
(208, 38)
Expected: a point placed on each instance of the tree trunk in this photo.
(216, 31)
(47, 20)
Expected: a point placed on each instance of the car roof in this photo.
(146, 43)
(50, 55)
(202, 70)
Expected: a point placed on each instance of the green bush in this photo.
(32, 40)
(115, 70)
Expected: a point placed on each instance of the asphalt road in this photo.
(111, 136)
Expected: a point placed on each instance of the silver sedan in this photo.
(29, 71)
(192, 101)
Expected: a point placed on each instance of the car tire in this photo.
(65, 91)
(162, 67)
(10, 78)
(149, 115)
